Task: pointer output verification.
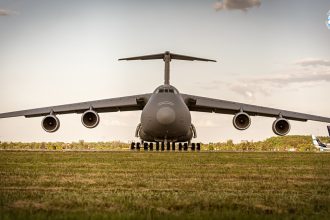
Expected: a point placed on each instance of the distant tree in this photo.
(43, 146)
(4, 145)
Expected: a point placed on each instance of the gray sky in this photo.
(270, 53)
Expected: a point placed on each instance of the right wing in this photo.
(127, 103)
(203, 104)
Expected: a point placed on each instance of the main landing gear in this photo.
(161, 146)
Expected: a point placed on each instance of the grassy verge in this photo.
(169, 185)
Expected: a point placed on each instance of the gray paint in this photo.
(165, 112)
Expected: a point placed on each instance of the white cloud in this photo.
(243, 5)
(6, 12)
(318, 72)
(313, 62)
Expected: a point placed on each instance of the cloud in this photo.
(243, 5)
(319, 72)
(313, 62)
(263, 86)
(6, 12)
(304, 77)
(247, 90)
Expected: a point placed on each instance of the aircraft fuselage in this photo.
(166, 117)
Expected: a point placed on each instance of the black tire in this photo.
(132, 146)
(151, 146)
(162, 146)
(145, 146)
(180, 146)
(173, 146)
(185, 146)
(157, 146)
(138, 146)
(198, 146)
(193, 146)
(168, 146)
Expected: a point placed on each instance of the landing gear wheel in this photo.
(198, 146)
(157, 146)
(162, 146)
(151, 146)
(173, 146)
(138, 146)
(168, 146)
(132, 146)
(193, 146)
(180, 146)
(185, 146)
(145, 146)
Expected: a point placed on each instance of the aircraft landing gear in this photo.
(198, 146)
(165, 146)
(193, 146)
(168, 146)
(132, 146)
(145, 146)
(185, 146)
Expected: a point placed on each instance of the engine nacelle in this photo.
(281, 126)
(241, 121)
(50, 123)
(90, 119)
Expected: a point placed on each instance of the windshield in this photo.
(167, 90)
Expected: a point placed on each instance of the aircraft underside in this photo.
(149, 138)
(166, 140)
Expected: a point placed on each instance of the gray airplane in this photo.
(165, 116)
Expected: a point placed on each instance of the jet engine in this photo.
(90, 119)
(281, 126)
(241, 121)
(50, 123)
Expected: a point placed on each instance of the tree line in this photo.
(301, 143)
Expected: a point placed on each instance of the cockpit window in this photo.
(167, 90)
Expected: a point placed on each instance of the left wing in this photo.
(203, 104)
(128, 103)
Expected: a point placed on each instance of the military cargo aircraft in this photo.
(165, 116)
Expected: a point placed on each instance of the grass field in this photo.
(151, 185)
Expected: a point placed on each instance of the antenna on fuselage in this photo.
(167, 57)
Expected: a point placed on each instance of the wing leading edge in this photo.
(128, 103)
(203, 104)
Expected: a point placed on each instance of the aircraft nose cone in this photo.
(165, 115)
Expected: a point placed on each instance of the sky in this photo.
(269, 53)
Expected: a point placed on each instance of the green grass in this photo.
(151, 185)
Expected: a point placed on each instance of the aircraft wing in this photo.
(128, 103)
(203, 104)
